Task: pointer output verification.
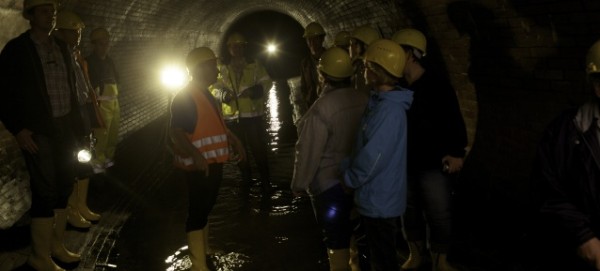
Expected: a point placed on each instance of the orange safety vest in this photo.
(210, 134)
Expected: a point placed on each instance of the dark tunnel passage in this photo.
(514, 65)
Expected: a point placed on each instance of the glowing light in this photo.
(271, 48)
(174, 78)
(84, 156)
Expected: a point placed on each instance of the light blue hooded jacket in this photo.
(377, 168)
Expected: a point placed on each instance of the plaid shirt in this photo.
(55, 73)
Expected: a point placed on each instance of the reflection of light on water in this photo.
(231, 261)
(273, 107)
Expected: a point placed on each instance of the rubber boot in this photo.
(41, 242)
(415, 258)
(440, 262)
(197, 250)
(354, 257)
(58, 249)
(82, 207)
(73, 216)
(339, 259)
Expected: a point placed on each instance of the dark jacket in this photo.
(309, 85)
(567, 169)
(24, 100)
(435, 125)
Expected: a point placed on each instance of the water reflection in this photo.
(256, 231)
(180, 260)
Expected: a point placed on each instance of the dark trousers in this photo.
(332, 210)
(52, 169)
(252, 133)
(203, 191)
(429, 197)
(381, 239)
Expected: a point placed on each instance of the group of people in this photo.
(56, 103)
(376, 148)
(383, 137)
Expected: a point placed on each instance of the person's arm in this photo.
(382, 135)
(309, 149)
(453, 129)
(183, 122)
(557, 205)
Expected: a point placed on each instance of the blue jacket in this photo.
(377, 168)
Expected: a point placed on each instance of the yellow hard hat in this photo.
(365, 34)
(313, 29)
(236, 38)
(198, 56)
(68, 20)
(336, 63)
(99, 33)
(387, 54)
(342, 38)
(28, 4)
(592, 60)
(411, 37)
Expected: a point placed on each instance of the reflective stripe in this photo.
(209, 140)
(188, 161)
(215, 153)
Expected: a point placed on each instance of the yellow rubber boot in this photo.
(41, 241)
(339, 259)
(58, 249)
(197, 250)
(415, 258)
(440, 262)
(82, 192)
(73, 216)
(354, 258)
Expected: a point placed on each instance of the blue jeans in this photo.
(332, 209)
(429, 196)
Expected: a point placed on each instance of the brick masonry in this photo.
(515, 64)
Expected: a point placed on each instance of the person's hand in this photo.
(226, 95)
(590, 252)
(200, 163)
(25, 141)
(452, 164)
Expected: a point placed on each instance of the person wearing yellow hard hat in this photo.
(377, 169)
(360, 39)
(39, 106)
(437, 139)
(104, 78)
(567, 177)
(342, 40)
(314, 34)
(68, 29)
(242, 89)
(201, 144)
(325, 135)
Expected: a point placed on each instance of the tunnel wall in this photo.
(514, 64)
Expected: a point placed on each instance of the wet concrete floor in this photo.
(144, 206)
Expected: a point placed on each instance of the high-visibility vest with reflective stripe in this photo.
(252, 74)
(210, 134)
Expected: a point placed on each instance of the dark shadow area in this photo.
(265, 27)
(492, 194)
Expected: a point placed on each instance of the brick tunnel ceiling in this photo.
(205, 22)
